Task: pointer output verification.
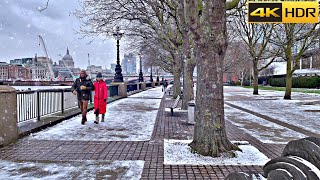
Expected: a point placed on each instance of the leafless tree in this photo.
(257, 39)
(207, 22)
(294, 36)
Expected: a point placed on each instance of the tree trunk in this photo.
(210, 138)
(288, 86)
(255, 78)
(188, 69)
(176, 76)
(287, 95)
(242, 77)
(188, 84)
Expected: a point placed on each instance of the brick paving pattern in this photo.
(166, 127)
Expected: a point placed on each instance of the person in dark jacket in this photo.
(82, 87)
(100, 97)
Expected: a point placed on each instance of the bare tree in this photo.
(237, 60)
(300, 36)
(257, 39)
(139, 17)
(207, 22)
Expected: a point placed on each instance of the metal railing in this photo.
(113, 90)
(35, 104)
(132, 87)
(32, 105)
(149, 84)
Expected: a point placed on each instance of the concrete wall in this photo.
(143, 86)
(122, 88)
(8, 115)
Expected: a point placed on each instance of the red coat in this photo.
(100, 95)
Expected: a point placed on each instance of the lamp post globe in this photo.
(118, 77)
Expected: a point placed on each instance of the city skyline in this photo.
(21, 22)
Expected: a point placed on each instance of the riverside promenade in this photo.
(130, 144)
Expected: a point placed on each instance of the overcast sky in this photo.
(21, 22)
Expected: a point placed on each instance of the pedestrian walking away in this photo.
(82, 87)
(165, 85)
(100, 98)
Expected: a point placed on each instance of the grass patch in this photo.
(302, 90)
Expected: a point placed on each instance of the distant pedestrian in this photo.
(165, 85)
(82, 87)
(100, 98)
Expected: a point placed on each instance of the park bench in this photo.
(175, 104)
(169, 90)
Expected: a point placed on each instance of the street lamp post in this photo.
(118, 77)
(140, 73)
(151, 79)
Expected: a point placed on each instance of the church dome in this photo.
(67, 56)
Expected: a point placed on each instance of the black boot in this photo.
(102, 119)
(97, 119)
(84, 119)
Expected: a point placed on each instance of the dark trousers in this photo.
(84, 107)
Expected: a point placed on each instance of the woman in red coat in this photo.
(100, 98)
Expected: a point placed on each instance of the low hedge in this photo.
(297, 82)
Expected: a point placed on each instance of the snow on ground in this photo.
(272, 104)
(151, 93)
(175, 110)
(263, 130)
(177, 152)
(71, 170)
(129, 119)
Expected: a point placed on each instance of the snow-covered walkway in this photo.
(128, 119)
(302, 111)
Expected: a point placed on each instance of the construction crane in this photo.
(49, 65)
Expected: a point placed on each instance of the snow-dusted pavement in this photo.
(265, 131)
(177, 152)
(129, 119)
(71, 170)
(302, 111)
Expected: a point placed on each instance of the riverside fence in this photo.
(34, 104)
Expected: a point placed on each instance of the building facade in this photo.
(129, 64)
(67, 61)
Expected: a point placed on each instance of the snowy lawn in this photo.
(263, 130)
(71, 170)
(177, 152)
(129, 119)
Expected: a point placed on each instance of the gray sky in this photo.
(21, 22)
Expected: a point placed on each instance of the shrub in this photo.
(297, 82)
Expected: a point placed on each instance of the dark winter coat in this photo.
(83, 94)
(100, 97)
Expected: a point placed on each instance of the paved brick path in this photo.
(151, 152)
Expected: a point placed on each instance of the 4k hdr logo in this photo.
(283, 12)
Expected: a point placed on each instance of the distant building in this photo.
(4, 71)
(13, 72)
(113, 67)
(19, 72)
(93, 70)
(129, 64)
(67, 61)
(22, 61)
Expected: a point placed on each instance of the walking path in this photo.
(130, 143)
